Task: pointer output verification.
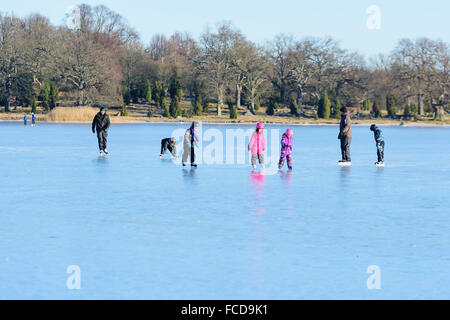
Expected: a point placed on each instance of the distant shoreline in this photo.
(389, 123)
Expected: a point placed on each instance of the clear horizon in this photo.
(261, 20)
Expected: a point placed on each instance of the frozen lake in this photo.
(143, 228)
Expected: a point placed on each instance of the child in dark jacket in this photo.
(168, 144)
(379, 140)
(286, 149)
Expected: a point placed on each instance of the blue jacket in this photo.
(378, 135)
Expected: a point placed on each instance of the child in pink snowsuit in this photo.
(257, 145)
(286, 149)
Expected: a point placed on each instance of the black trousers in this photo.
(192, 153)
(380, 151)
(167, 146)
(102, 139)
(345, 148)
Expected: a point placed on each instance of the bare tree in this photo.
(39, 47)
(102, 20)
(241, 54)
(255, 73)
(415, 64)
(301, 69)
(279, 56)
(12, 57)
(87, 66)
(215, 58)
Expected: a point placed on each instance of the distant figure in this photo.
(345, 135)
(286, 149)
(168, 144)
(190, 140)
(25, 119)
(379, 140)
(257, 145)
(101, 123)
(33, 119)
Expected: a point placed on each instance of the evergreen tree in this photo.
(33, 104)
(148, 91)
(158, 94)
(134, 92)
(166, 112)
(200, 101)
(376, 110)
(124, 112)
(271, 108)
(233, 112)
(293, 107)
(175, 108)
(407, 111)
(324, 106)
(197, 107)
(149, 113)
(428, 108)
(366, 105)
(257, 104)
(126, 95)
(163, 102)
(175, 90)
(337, 109)
(176, 94)
(53, 95)
(23, 89)
(390, 104)
(44, 96)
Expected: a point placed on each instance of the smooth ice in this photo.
(143, 228)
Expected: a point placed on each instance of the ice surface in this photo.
(144, 228)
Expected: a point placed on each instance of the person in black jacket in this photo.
(101, 123)
(168, 144)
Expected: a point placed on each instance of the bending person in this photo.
(168, 144)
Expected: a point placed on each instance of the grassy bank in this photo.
(139, 114)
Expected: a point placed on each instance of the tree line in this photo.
(103, 61)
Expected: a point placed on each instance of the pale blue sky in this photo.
(260, 20)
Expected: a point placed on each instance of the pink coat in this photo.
(257, 143)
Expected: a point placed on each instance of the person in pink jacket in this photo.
(257, 145)
(286, 149)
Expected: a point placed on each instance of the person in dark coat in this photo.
(168, 144)
(345, 134)
(379, 140)
(190, 140)
(101, 123)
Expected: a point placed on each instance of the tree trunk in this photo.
(8, 95)
(238, 95)
(282, 91)
(252, 102)
(299, 101)
(420, 103)
(81, 98)
(439, 113)
(7, 105)
(219, 101)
